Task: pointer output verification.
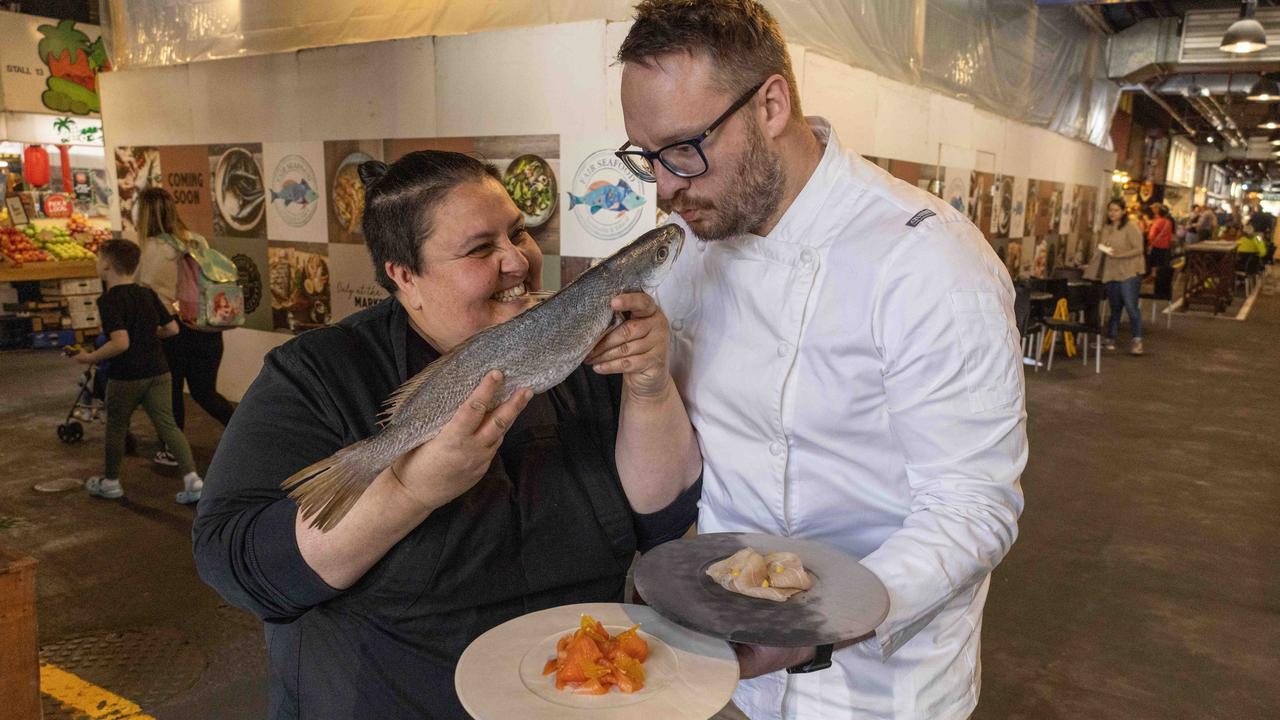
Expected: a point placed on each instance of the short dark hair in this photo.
(401, 202)
(123, 255)
(742, 39)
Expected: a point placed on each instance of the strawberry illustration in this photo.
(73, 64)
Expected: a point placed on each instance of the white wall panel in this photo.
(988, 133)
(615, 33)
(950, 122)
(375, 90)
(1042, 160)
(251, 99)
(846, 96)
(548, 79)
(902, 123)
(242, 359)
(147, 107)
(1015, 159)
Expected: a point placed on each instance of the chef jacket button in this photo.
(775, 449)
(677, 324)
(783, 349)
(702, 245)
(806, 258)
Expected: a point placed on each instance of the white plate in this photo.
(688, 676)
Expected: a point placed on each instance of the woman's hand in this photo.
(637, 348)
(452, 462)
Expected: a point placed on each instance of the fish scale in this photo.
(537, 349)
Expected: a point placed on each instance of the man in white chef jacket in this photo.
(846, 346)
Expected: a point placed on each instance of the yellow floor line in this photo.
(98, 703)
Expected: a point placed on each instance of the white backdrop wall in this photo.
(556, 79)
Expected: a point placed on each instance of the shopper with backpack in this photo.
(171, 256)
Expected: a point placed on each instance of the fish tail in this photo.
(274, 196)
(574, 200)
(326, 490)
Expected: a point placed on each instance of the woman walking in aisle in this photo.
(194, 355)
(1119, 264)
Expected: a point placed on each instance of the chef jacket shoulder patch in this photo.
(920, 217)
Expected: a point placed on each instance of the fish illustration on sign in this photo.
(295, 192)
(600, 195)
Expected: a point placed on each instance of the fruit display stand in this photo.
(51, 249)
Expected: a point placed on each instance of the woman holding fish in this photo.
(508, 476)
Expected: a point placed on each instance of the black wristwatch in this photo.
(821, 661)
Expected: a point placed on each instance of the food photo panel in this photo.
(238, 190)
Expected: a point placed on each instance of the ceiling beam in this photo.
(1167, 108)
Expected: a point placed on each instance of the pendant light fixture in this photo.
(1265, 90)
(1273, 120)
(1246, 34)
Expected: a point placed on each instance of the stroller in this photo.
(90, 404)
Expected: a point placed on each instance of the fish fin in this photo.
(393, 402)
(326, 490)
(622, 184)
(596, 208)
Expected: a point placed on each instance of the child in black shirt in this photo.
(135, 320)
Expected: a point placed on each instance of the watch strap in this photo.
(821, 661)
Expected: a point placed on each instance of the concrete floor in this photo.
(1145, 582)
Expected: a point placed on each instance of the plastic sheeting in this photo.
(1038, 65)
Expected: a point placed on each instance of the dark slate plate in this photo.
(847, 601)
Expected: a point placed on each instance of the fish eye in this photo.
(661, 255)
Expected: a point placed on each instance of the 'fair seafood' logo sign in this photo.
(605, 196)
(293, 194)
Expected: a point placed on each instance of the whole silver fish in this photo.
(536, 349)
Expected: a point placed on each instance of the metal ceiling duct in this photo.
(1203, 31)
(1159, 47)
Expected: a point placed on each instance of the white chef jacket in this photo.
(855, 378)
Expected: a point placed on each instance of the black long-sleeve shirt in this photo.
(548, 525)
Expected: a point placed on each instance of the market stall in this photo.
(54, 193)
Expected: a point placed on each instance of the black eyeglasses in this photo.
(683, 158)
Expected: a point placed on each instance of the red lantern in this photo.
(65, 152)
(35, 166)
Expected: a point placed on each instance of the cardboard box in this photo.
(81, 303)
(84, 316)
(70, 286)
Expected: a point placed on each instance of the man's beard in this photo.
(753, 192)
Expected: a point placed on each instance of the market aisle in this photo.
(120, 606)
(1143, 584)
